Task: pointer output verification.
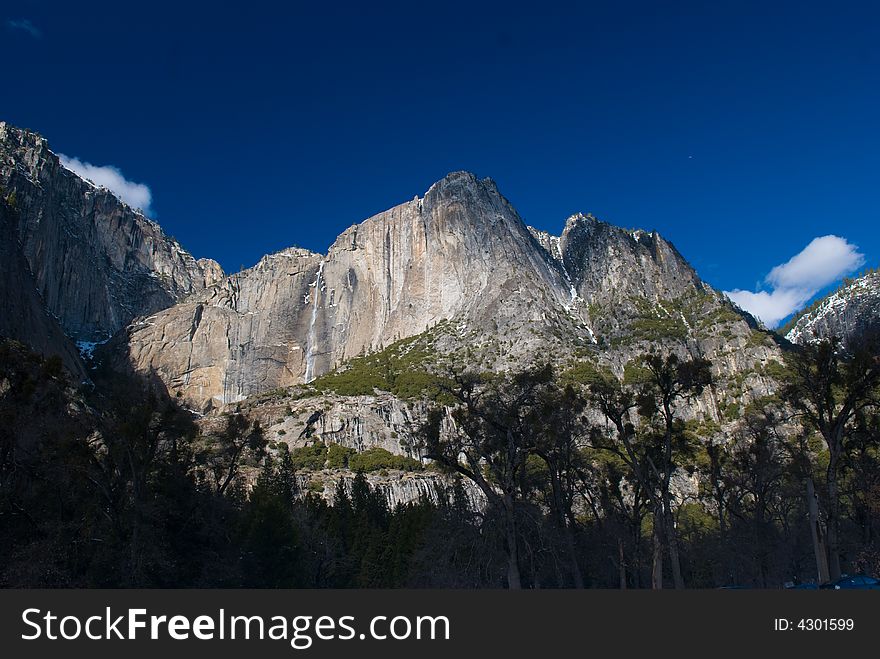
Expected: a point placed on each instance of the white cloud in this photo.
(824, 261)
(24, 25)
(136, 195)
(772, 307)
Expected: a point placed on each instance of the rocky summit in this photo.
(459, 253)
(459, 256)
(847, 313)
(95, 262)
(454, 273)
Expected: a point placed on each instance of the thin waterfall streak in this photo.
(310, 347)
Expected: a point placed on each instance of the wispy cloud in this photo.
(136, 195)
(24, 25)
(824, 261)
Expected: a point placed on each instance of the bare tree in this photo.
(489, 440)
(829, 386)
(224, 453)
(661, 383)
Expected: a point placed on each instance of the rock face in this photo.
(846, 313)
(638, 294)
(605, 263)
(507, 294)
(612, 267)
(398, 488)
(24, 316)
(460, 252)
(244, 335)
(459, 257)
(97, 263)
(357, 422)
(456, 268)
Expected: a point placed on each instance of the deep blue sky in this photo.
(740, 131)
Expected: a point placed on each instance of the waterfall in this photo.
(310, 347)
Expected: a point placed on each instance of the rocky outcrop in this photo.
(607, 264)
(846, 313)
(460, 252)
(24, 316)
(458, 258)
(398, 487)
(456, 270)
(358, 422)
(245, 335)
(97, 263)
(613, 271)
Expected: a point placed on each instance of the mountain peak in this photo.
(23, 136)
(459, 182)
(96, 262)
(580, 218)
(846, 313)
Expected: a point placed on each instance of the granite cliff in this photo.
(455, 271)
(459, 256)
(459, 252)
(845, 313)
(25, 317)
(96, 262)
